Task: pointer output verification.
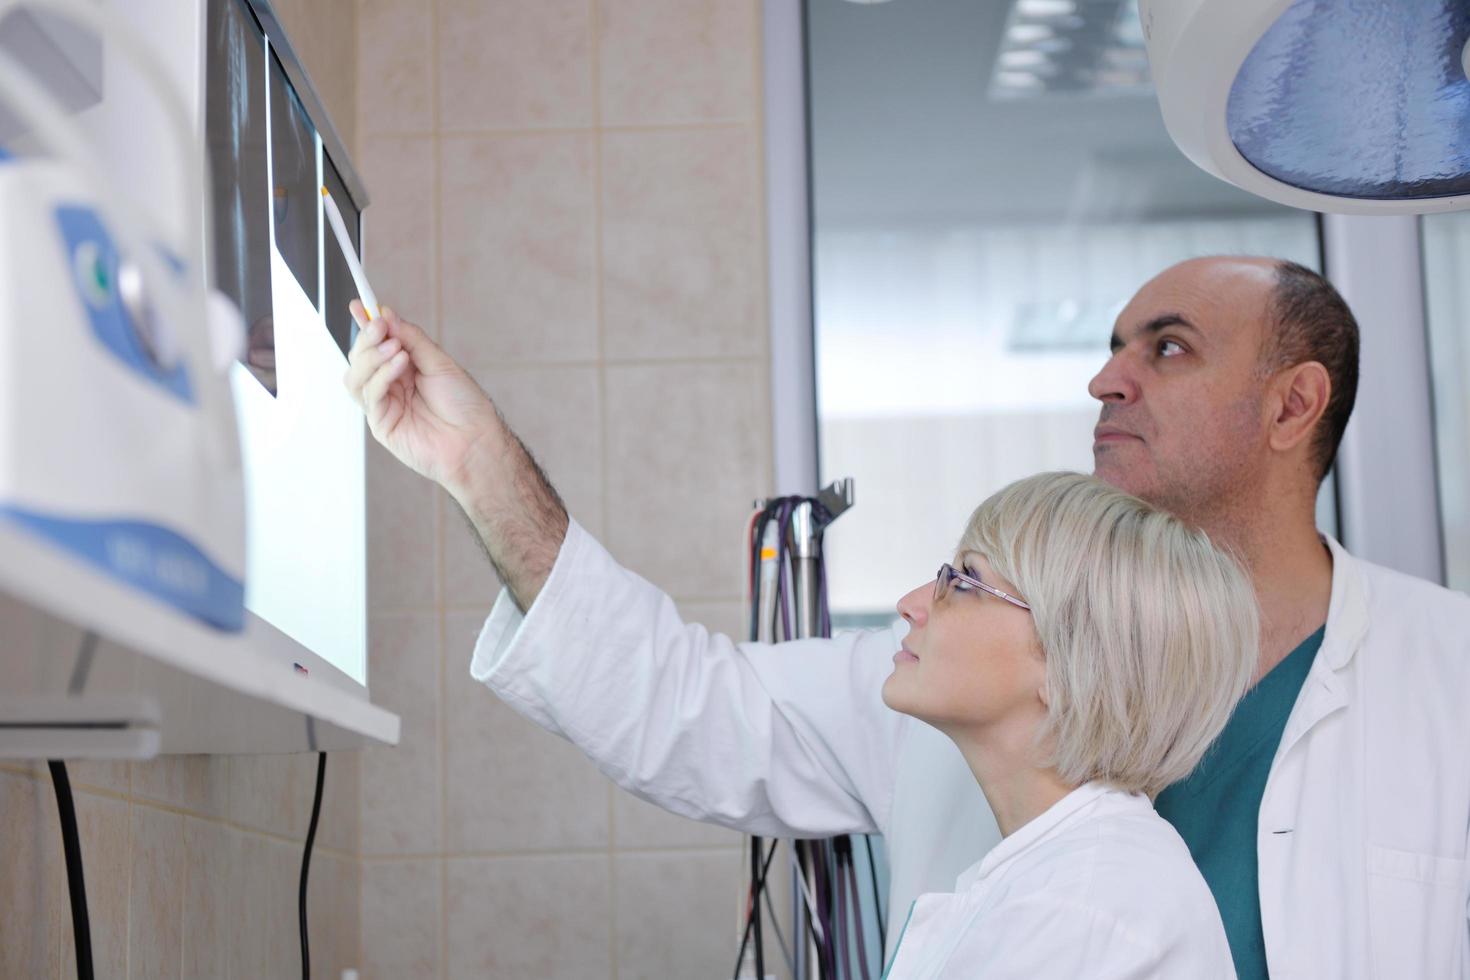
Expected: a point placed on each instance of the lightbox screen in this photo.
(301, 435)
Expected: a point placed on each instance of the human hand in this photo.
(420, 405)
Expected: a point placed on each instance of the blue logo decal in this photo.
(152, 559)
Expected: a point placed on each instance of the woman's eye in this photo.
(1170, 348)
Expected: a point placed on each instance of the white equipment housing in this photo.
(109, 449)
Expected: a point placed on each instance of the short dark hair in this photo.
(1310, 321)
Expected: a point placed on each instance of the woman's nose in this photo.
(914, 607)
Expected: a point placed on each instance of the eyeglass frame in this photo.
(944, 579)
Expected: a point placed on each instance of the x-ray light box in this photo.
(302, 438)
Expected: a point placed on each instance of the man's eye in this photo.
(1170, 348)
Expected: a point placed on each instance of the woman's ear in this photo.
(1043, 696)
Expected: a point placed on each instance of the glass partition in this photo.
(1446, 241)
(991, 182)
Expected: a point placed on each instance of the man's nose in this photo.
(1115, 382)
(914, 607)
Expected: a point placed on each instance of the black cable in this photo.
(799, 939)
(861, 940)
(780, 936)
(76, 885)
(316, 812)
(755, 905)
(758, 874)
(828, 905)
(842, 960)
(877, 899)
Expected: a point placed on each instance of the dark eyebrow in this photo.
(1158, 324)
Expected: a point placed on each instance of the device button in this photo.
(152, 335)
(93, 274)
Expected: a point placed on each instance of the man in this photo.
(1330, 821)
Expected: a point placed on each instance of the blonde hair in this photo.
(1150, 632)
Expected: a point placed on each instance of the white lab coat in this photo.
(1363, 826)
(1098, 886)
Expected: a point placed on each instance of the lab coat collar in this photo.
(1325, 691)
(1033, 832)
(1347, 609)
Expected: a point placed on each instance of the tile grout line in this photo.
(164, 806)
(441, 517)
(483, 609)
(127, 940)
(441, 647)
(362, 891)
(595, 50)
(491, 132)
(709, 360)
(183, 884)
(763, 182)
(763, 264)
(561, 852)
(763, 178)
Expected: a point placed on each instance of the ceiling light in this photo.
(1024, 58)
(1017, 79)
(1028, 33)
(1045, 8)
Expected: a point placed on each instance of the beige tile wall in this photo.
(192, 862)
(568, 194)
(191, 865)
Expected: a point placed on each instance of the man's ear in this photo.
(1302, 392)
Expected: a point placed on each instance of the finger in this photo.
(375, 332)
(365, 362)
(377, 386)
(428, 355)
(365, 334)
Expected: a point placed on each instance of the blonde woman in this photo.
(1082, 652)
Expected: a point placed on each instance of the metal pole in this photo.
(804, 539)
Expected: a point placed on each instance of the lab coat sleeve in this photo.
(788, 740)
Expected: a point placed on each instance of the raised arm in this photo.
(427, 411)
(789, 742)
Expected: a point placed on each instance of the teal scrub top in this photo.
(1216, 808)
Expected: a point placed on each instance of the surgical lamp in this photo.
(1348, 106)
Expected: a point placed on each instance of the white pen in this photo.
(364, 291)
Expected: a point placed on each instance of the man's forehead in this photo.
(1212, 296)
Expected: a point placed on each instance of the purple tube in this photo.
(818, 852)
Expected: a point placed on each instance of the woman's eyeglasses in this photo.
(944, 584)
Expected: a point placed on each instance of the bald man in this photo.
(1331, 818)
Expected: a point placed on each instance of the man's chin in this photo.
(1131, 475)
